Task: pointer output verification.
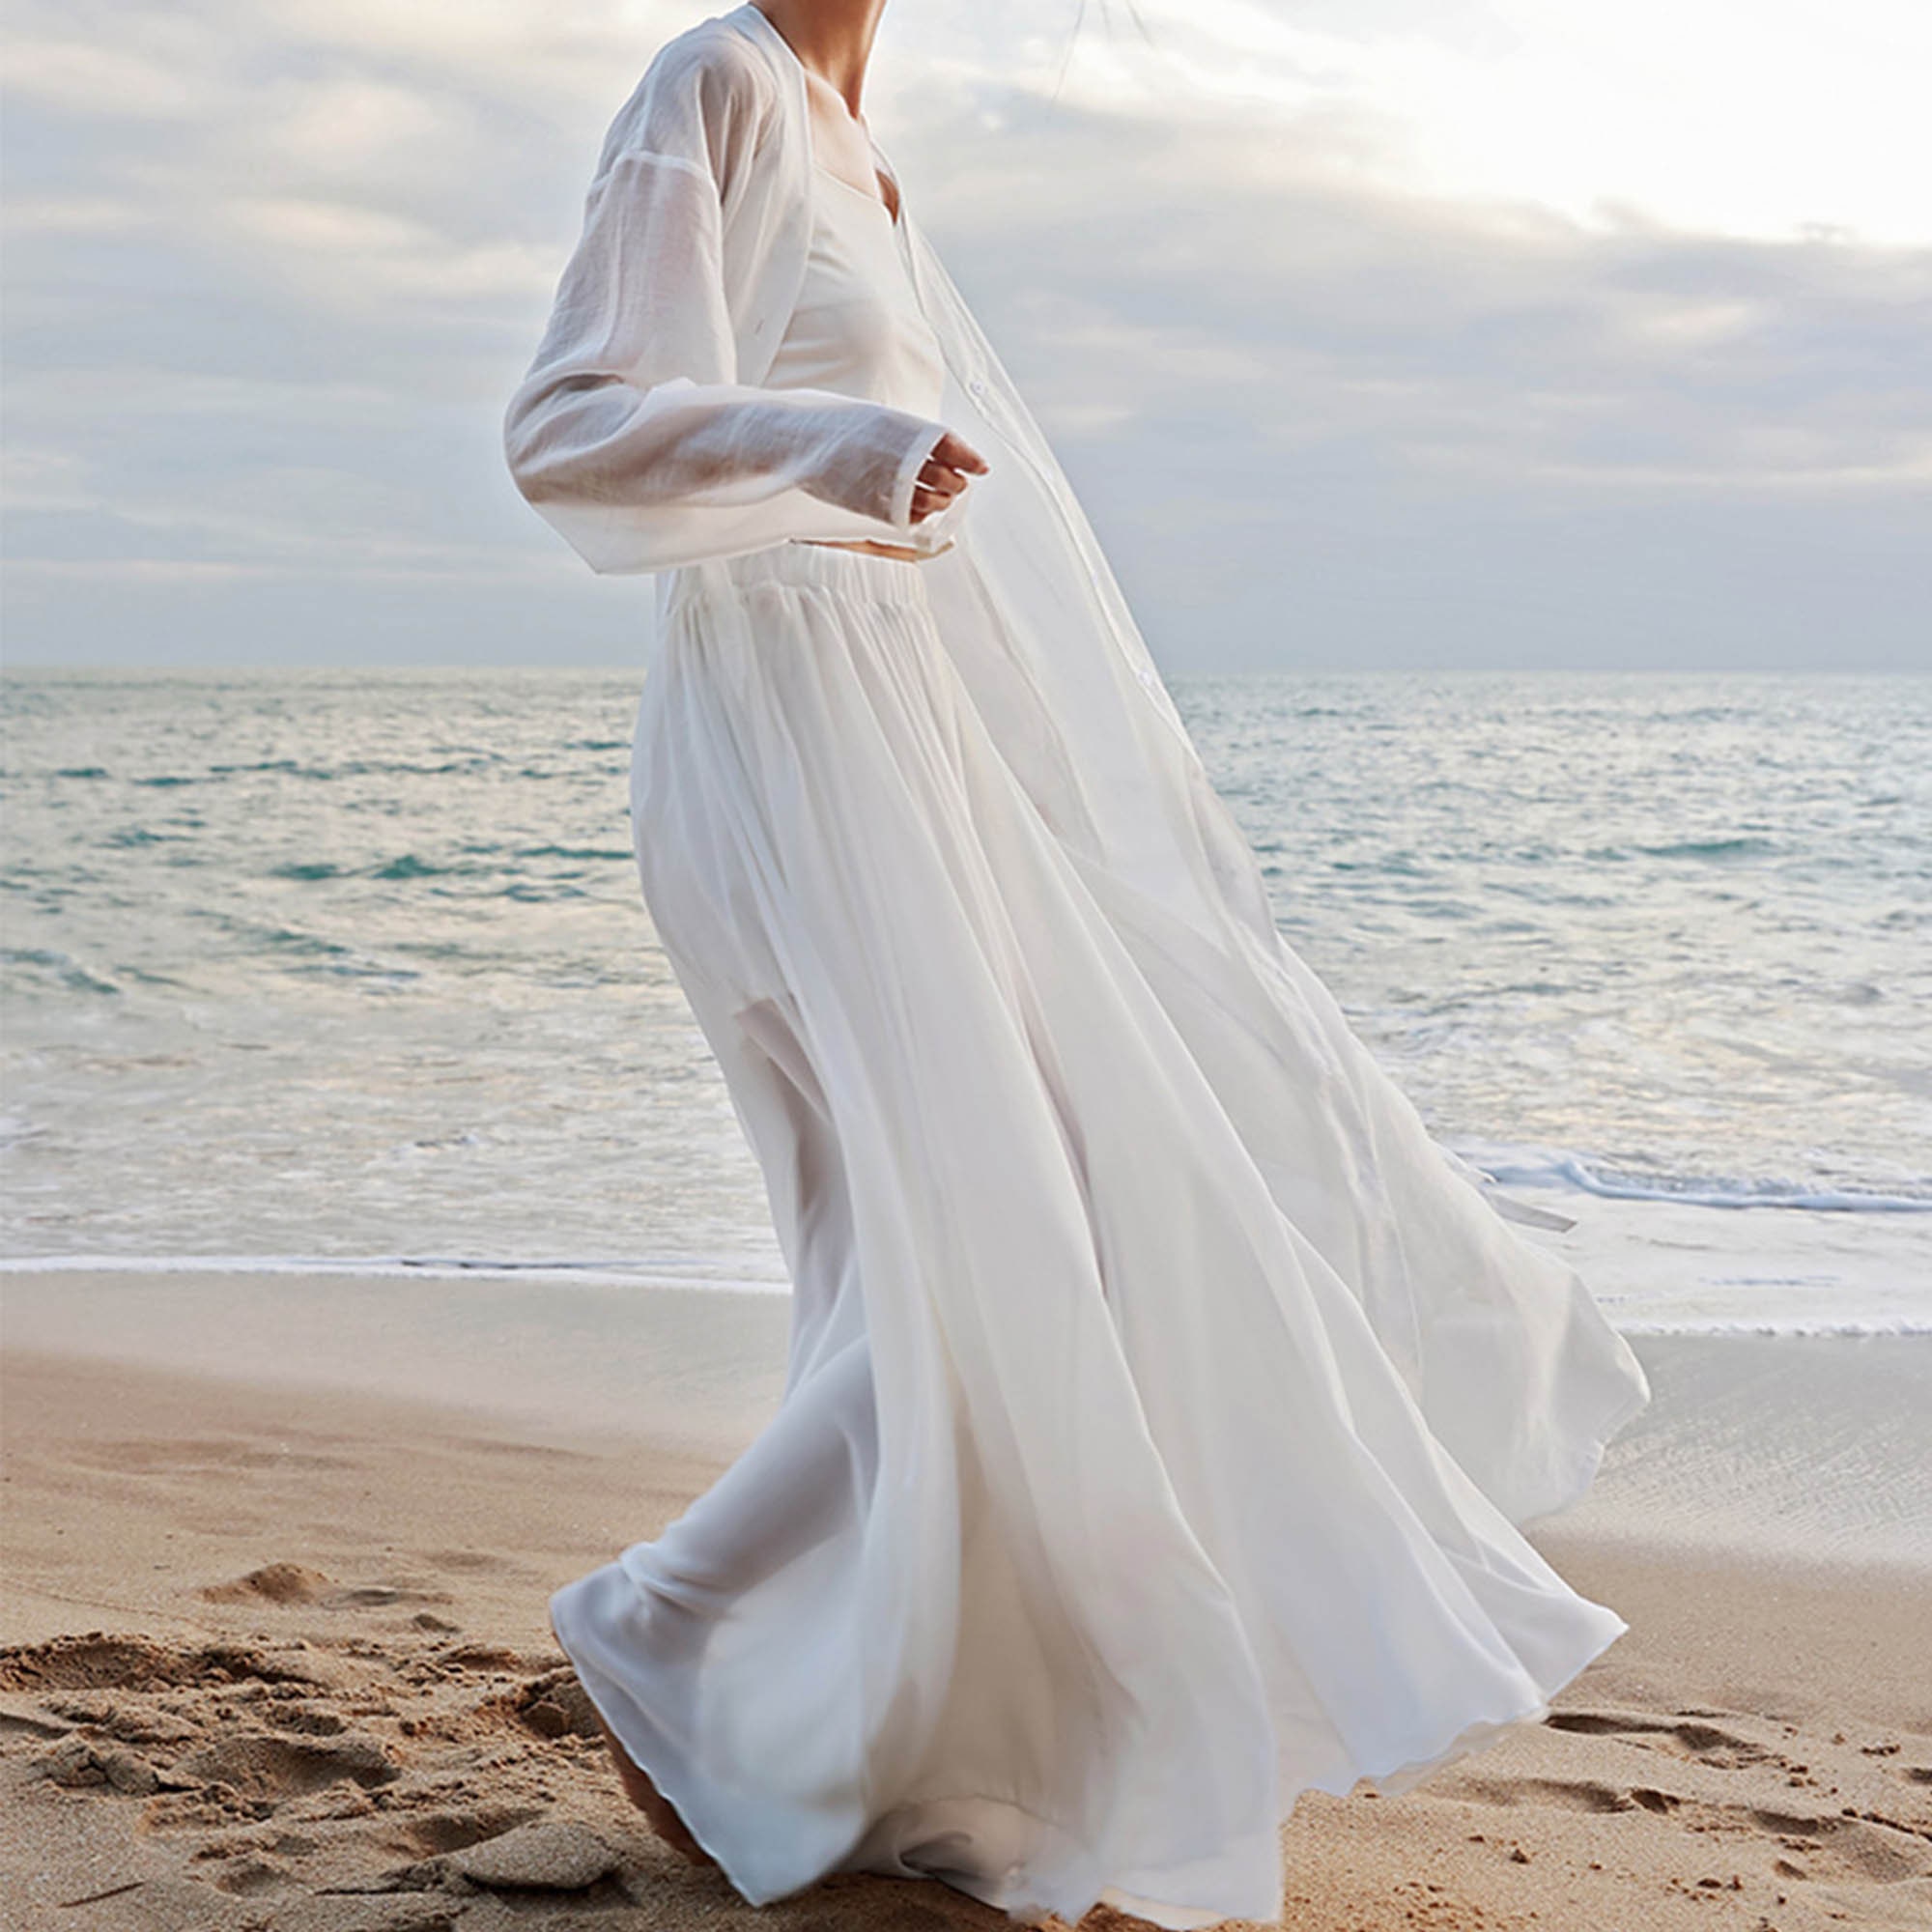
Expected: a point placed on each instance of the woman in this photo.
(1161, 1401)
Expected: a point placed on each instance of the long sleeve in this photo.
(629, 433)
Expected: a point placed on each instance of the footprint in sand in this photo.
(490, 1659)
(432, 1833)
(99, 1662)
(1854, 1847)
(265, 1767)
(1686, 1735)
(1834, 1845)
(247, 1776)
(1582, 1794)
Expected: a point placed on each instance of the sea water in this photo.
(351, 966)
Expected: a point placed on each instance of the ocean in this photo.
(351, 967)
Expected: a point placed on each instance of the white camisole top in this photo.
(857, 329)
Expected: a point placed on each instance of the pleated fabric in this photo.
(1097, 1522)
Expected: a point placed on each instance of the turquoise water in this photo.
(353, 963)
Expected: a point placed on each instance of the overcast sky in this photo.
(1372, 332)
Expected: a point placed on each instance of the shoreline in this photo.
(1655, 1265)
(1802, 1446)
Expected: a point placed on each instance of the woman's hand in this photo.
(952, 464)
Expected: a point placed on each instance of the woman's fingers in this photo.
(946, 470)
(940, 477)
(956, 453)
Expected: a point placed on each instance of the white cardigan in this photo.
(641, 432)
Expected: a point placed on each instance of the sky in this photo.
(1373, 333)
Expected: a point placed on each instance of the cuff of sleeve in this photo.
(899, 507)
(935, 533)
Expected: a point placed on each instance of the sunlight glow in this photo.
(1786, 118)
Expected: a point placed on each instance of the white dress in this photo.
(1097, 1524)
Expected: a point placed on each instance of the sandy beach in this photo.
(276, 1654)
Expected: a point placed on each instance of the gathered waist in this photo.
(860, 574)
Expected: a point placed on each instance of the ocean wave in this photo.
(61, 968)
(1794, 1326)
(1542, 1167)
(1741, 847)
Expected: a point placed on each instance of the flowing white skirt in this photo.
(1098, 1519)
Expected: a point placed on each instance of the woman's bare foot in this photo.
(660, 1813)
(658, 1809)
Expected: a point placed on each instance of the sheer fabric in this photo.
(1162, 1404)
(857, 326)
(636, 431)
(1511, 1359)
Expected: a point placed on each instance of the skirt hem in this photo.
(1469, 1739)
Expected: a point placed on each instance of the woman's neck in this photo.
(832, 38)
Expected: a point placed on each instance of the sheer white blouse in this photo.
(647, 429)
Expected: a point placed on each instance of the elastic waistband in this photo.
(853, 573)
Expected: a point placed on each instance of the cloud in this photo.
(274, 270)
(1486, 338)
